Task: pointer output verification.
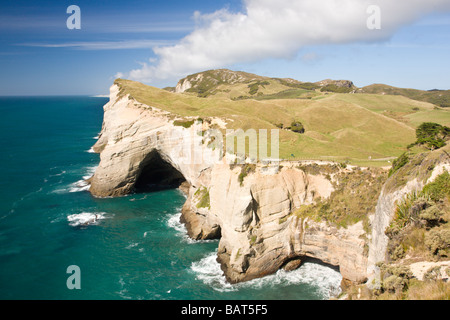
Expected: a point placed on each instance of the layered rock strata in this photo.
(141, 146)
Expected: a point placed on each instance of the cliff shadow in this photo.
(157, 174)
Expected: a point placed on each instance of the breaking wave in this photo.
(209, 272)
(85, 218)
(325, 280)
(173, 222)
(80, 185)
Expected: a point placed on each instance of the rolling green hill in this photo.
(440, 98)
(369, 129)
(240, 85)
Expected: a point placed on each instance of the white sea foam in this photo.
(59, 191)
(85, 218)
(173, 222)
(132, 245)
(78, 186)
(139, 199)
(91, 150)
(326, 280)
(123, 291)
(209, 272)
(58, 174)
(90, 172)
(146, 233)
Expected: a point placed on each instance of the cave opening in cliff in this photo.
(157, 174)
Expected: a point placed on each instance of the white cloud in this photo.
(310, 57)
(119, 75)
(278, 29)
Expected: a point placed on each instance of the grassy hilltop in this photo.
(370, 126)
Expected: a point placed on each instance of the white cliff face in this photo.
(262, 235)
(185, 84)
(384, 213)
(182, 86)
(253, 218)
(386, 206)
(132, 134)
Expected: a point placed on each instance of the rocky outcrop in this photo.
(137, 140)
(419, 269)
(254, 216)
(209, 80)
(183, 85)
(337, 83)
(383, 215)
(421, 170)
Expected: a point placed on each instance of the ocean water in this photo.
(130, 247)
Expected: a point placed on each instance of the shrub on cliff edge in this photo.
(432, 135)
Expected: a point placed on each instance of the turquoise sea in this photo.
(137, 249)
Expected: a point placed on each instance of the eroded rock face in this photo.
(133, 136)
(253, 218)
(259, 233)
(269, 236)
(426, 171)
(385, 210)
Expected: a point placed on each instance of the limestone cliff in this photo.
(421, 170)
(142, 147)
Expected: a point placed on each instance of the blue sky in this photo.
(40, 56)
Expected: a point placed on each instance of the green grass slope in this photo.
(440, 98)
(361, 129)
